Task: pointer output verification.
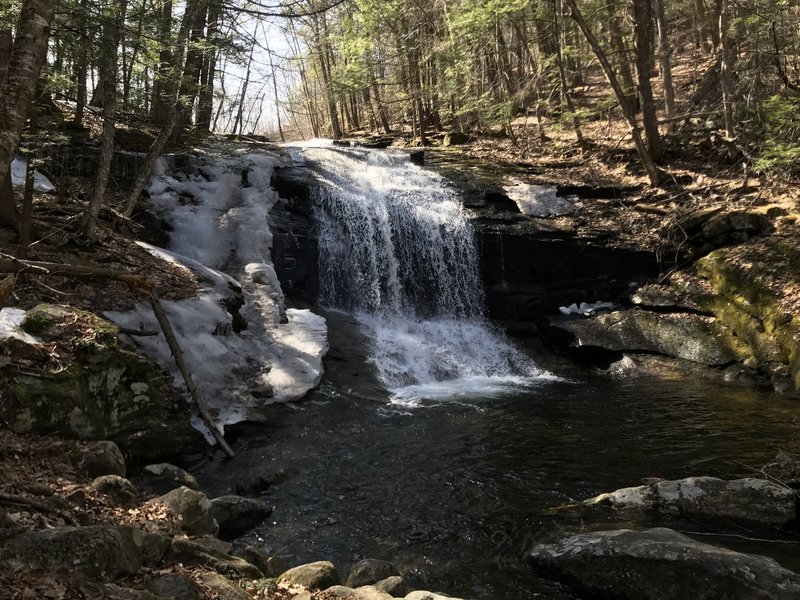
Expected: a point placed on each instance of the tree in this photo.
(18, 86)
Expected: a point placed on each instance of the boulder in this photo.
(190, 552)
(223, 588)
(99, 552)
(318, 575)
(103, 458)
(160, 442)
(163, 477)
(154, 547)
(396, 586)
(688, 336)
(661, 564)
(115, 487)
(104, 390)
(176, 586)
(237, 514)
(749, 499)
(193, 510)
(423, 595)
(367, 592)
(785, 467)
(270, 566)
(369, 571)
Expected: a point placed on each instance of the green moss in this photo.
(744, 304)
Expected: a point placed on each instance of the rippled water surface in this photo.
(454, 492)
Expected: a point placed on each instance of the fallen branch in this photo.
(15, 500)
(172, 342)
(14, 265)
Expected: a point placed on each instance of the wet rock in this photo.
(104, 458)
(115, 487)
(160, 442)
(270, 566)
(193, 510)
(223, 587)
(681, 335)
(190, 552)
(396, 586)
(98, 552)
(660, 564)
(749, 499)
(175, 585)
(369, 571)
(237, 514)
(164, 477)
(784, 468)
(154, 547)
(318, 575)
(417, 157)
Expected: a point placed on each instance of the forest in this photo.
(436, 281)
(673, 74)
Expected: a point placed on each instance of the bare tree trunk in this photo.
(665, 55)
(645, 158)
(81, 66)
(275, 94)
(239, 122)
(164, 79)
(18, 88)
(108, 76)
(643, 28)
(9, 216)
(726, 75)
(622, 55)
(566, 94)
(205, 100)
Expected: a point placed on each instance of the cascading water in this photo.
(396, 250)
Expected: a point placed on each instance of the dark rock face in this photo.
(660, 564)
(528, 272)
(294, 241)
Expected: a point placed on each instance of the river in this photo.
(451, 465)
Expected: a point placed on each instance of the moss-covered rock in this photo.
(90, 387)
(767, 336)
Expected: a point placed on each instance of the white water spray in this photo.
(397, 251)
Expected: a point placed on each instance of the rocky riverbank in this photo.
(73, 525)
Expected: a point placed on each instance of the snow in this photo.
(585, 309)
(220, 233)
(10, 321)
(541, 200)
(19, 167)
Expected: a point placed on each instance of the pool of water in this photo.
(455, 491)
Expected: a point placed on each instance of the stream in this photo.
(451, 463)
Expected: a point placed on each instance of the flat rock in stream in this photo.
(692, 337)
(661, 564)
(749, 499)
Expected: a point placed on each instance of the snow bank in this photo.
(541, 200)
(10, 321)
(19, 167)
(220, 232)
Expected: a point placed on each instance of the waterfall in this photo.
(396, 250)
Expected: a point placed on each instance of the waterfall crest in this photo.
(396, 250)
